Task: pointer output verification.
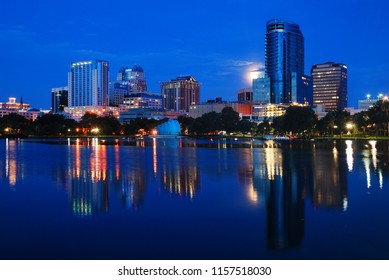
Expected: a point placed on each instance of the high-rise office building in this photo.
(134, 76)
(180, 93)
(330, 85)
(284, 61)
(59, 99)
(88, 83)
(129, 80)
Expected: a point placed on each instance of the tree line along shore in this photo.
(297, 122)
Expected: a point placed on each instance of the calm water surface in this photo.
(193, 199)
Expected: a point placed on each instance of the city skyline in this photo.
(217, 43)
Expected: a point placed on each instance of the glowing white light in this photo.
(374, 153)
(366, 162)
(349, 155)
(381, 179)
(345, 203)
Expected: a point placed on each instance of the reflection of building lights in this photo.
(345, 203)
(273, 161)
(252, 194)
(381, 179)
(349, 155)
(366, 162)
(10, 162)
(117, 162)
(374, 153)
(155, 155)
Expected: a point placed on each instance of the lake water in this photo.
(193, 199)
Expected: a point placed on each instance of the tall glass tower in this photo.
(284, 65)
(88, 83)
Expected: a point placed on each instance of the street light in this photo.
(95, 130)
(349, 126)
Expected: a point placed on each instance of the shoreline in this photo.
(213, 137)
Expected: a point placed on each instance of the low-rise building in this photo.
(268, 111)
(217, 106)
(78, 111)
(142, 100)
(20, 108)
(11, 104)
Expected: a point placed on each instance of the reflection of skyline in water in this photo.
(94, 171)
(285, 204)
(97, 177)
(13, 167)
(177, 167)
(283, 177)
(178, 171)
(87, 182)
(370, 162)
(330, 178)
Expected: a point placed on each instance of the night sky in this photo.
(217, 42)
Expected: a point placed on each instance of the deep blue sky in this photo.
(218, 42)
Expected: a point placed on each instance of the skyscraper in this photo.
(88, 83)
(59, 99)
(180, 93)
(129, 80)
(330, 85)
(284, 65)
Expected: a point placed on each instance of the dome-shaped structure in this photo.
(170, 127)
(137, 68)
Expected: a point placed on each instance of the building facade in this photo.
(198, 110)
(20, 108)
(180, 93)
(261, 90)
(88, 83)
(76, 112)
(284, 61)
(330, 85)
(117, 91)
(59, 99)
(11, 104)
(245, 95)
(367, 103)
(142, 100)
